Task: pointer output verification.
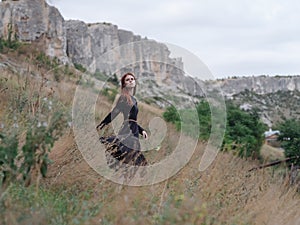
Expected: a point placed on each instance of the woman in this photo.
(125, 147)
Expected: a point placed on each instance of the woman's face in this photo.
(130, 81)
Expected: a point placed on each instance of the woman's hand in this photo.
(145, 135)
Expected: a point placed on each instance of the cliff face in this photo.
(98, 47)
(105, 48)
(32, 20)
(260, 84)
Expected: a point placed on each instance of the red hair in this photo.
(124, 90)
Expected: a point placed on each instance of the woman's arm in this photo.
(113, 114)
(140, 130)
(143, 132)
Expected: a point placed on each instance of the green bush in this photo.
(113, 79)
(111, 93)
(11, 42)
(80, 67)
(191, 126)
(244, 132)
(43, 60)
(8, 155)
(290, 139)
(33, 155)
(100, 76)
(204, 114)
(171, 114)
(35, 118)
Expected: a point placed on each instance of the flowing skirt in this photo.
(123, 151)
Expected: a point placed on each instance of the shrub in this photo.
(244, 132)
(190, 125)
(59, 206)
(290, 139)
(11, 42)
(111, 93)
(114, 80)
(80, 67)
(38, 120)
(100, 76)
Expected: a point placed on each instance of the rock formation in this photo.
(34, 20)
(103, 47)
(260, 84)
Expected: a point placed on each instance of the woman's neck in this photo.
(130, 91)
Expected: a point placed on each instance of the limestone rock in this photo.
(34, 20)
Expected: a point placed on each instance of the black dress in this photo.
(124, 148)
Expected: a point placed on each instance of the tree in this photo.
(196, 124)
(204, 114)
(290, 139)
(244, 132)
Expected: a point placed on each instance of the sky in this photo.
(232, 37)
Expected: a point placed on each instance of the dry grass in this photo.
(225, 193)
(270, 153)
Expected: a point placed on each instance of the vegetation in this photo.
(100, 76)
(11, 43)
(114, 79)
(80, 67)
(41, 119)
(290, 139)
(189, 127)
(286, 103)
(21, 205)
(33, 119)
(8, 45)
(111, 93)
(171, 115)
(244, 131)
(42, 60)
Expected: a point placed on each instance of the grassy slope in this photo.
(226, 193)
(270, 153)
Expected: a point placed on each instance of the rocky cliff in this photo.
(103, 47)
(99, 47)
(259, 84)
(34, 20)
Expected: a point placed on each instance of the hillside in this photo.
(274, 106)
(103, 48)
(46, 61)
(225, 193)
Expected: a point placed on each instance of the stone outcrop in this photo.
(260, 84)
(34, 20)
(99, 47)
(105, 48)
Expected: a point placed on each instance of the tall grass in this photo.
(20, 205)
(73, 193)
